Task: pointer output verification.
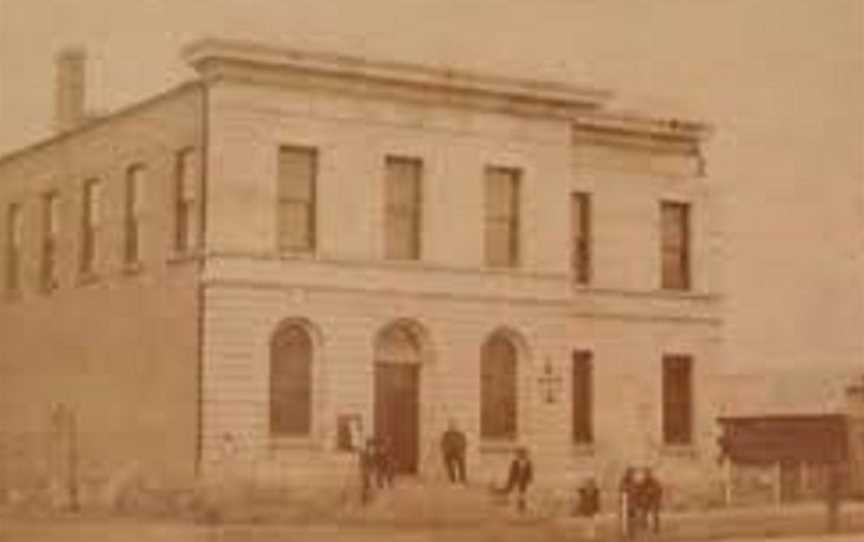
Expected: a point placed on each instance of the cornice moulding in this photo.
(215, 59)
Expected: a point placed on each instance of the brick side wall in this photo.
(120, 347)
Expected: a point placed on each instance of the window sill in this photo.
(656, 294)
(177, 258)
(680, 451)
(403, 262)
(87, 278)
(586, 449)
(515, 269)
(48, 289)
(297, 254)
(132, 268)
(286, 443)
(677, 292)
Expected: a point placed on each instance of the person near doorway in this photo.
(453, 446)
(650, 498)
(627, 509)
(367, 470)
(589, 506)
(383, 462)
(520, 476)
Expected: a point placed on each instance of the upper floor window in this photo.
(50, 240)
(403, 208)
(675, 245)
(186, 201)
(580, 234)
(14, 245)
(90, 223)
(502, 217)
(677, 399)
(296, 199)
(583, 397)
(133, 214)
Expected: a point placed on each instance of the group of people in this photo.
(376, 467)
(519, 476)
(641, 497)
(639, 503)
(640, 492)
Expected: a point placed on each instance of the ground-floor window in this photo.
(498, 388)
(291, 381)
(677, 399)
(583, 399)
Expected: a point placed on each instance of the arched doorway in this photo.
(398, 356)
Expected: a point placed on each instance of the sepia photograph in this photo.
(416, 270)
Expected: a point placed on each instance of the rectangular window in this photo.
(296, 195)
(403, 208)
(90, 222)
(502, 217)
(186, 207)
(677, 399)
(14, 245)
(583, 397)
(675, 245)
(580, 233)
(133, 214)
(50, 234)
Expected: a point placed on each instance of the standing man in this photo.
(589, 506)
(367, 469)
(520, 477)
(627, 509)
(453, 445)
(384, 469)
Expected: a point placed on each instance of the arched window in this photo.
(291, 382)
(498, 403)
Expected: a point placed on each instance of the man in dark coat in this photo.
(650, 499)
(453, 445)
(366, 460)
(520, 477)
(627, 506)
(383, 461)
(589, 506)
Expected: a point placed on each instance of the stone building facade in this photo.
(298, 241)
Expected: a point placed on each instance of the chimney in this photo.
(70, 88)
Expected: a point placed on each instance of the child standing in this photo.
(589, 506)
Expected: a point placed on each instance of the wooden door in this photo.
(397, 398)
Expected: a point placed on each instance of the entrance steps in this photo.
(429, 503)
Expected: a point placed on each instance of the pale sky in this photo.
(781, 80)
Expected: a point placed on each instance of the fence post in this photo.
(72, 428)
(778, 484)
(727, 471)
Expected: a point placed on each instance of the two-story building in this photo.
(237, 269)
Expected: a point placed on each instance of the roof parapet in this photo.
(215, 58)
(630, 123)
